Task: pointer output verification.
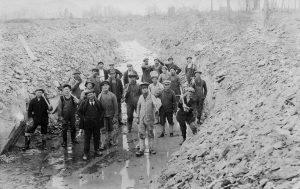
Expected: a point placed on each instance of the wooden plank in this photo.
(15, 134)
(26, 47)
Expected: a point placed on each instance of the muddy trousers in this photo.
(69, 123)
(130, 110)
(91, 128)
(143, 127)
(31, 129)
(107, 131)
(169, 116)
(199, 108)
(119, 110)
(183, 120)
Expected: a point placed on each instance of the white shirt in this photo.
(101, 75)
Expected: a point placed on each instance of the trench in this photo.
(119, 168)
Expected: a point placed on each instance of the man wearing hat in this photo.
(185, 114)
(103, 74)
(145, 116)
(175, 83)
(118, 73)
(128, 71)
(66, 109)
(168, 108)
(38, 112)
(200, 93)
(132, 93)
(109, 102)
(155, 87)
(157, 66)
(97, 80)
(89, 84)
(190, 69)
(146, 68)
(171, 64)
(116, 87)
(74, 82)
(91, 111)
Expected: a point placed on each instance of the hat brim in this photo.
(42, 90)
(132, 76)
(88, 83)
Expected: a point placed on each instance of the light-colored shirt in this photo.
(101, 75)
(156, 89)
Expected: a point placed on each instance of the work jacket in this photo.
(146, 109)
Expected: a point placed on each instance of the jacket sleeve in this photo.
(178, 70)
(30, 109)
(137, 76)
(119, 73)
(205, 89)
(80, 109)
(125, 77)
(121, 88)
(115, 102)
(174, 101)
(73, 84)
(59, 108)
(138, 109)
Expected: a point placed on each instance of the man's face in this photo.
(132, 79)
(39, 94)
(76, 76)
(167, 86)
(90, 96)
(198, 75)
(105, 87)
(129, 68)
(172, 71)
(100, 66)
(146, 61)
(189, 61)
(170, 61)
(89, 85)
(156, 62)
(66, 91)
(111, 66)
(164, 70)
(154, 80)
(144, 89)
(95, 73)
(113, 75)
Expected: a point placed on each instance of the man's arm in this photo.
(59, 109)
(74, 84)
(137, 76)
(174, 102)
(178, 70)
(138, 109)
(30, 109)
(119, 73)
(115, 103)
(205, 89)
(125, 78)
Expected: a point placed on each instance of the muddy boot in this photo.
(73, 137)
(161, 135)
(182, 142)
(27, 142)
(151, 146)
(171, 130)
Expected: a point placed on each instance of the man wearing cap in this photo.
(38, 112)
(116, 87)
(155, 87)
(146, 68)
(132, 93)
(168, 108)
(89, 84)
(145, 116)
(185, 114)
(66, 109)
(175, 83)
(129, 71)
(91, 111)
(74, 82)
(200, 93)
(109, 102)
(171, 64)
(118, 73)
(96, 79)
(103, 74)
(165, 75)
(190, 69)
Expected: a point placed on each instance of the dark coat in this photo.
(169, 66)
(146, 73)
(118, 73)
(83, 107)
(186, 116)
(126, 78)
(119, 92)
(168, 100)
(133, 93)
(38, 110)
(200, 89)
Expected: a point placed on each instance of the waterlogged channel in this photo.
(118, 168)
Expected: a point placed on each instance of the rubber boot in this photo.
(27, 143)
(171, 130)
(151, 146)
(65, 139)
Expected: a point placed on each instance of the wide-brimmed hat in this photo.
(144, 84)
(189, 57)
(198, 71)
(100, 62)
(66, 85)
(144, 60)
(170, 58)
(132, 74)
(95, 69)
(89, 81)
(111, 64)
(76, 72)
(40, 89)
(129, 65)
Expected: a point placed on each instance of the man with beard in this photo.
(200, 94)
(168, 108)
(38, 112)
(91, 111)
(116, 87)
(130, 70)
(74, 82)
(171, 65)
(190, 69)
(109, 102)
(145, 116)
(132, 93)
(175, 83)
(67, 106)
(146, 68)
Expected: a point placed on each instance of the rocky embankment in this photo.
(251, 136)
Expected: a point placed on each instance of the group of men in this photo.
(98, 106)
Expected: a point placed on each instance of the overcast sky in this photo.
(51, 8)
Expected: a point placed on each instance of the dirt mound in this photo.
(251, 137)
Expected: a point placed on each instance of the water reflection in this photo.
(126, 181)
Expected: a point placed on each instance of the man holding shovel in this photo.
(38, 112)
